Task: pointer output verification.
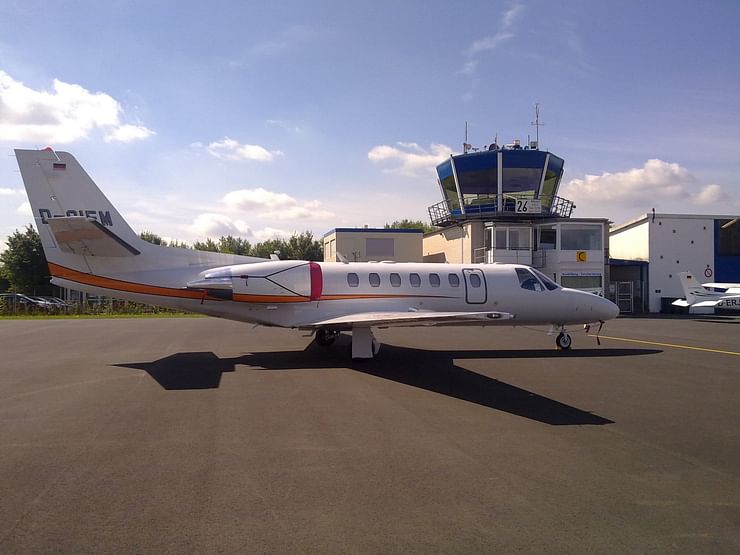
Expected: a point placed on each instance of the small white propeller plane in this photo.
(89, 247)
(708, 295)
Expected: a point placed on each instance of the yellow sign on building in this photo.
(581, 256)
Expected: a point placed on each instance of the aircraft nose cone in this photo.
(608, 310)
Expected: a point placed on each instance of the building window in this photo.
(501, 238)
(728, 239)
(547, 238)
(518, 239)
(434, 280)
(415, 280)
(395, 280)
(374, 280)
(512, 238)
(353, 280)
(379, 247)
(581, 282)
(449, 187)
(580, 237)
(454, 280)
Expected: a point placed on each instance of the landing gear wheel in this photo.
(326, 337)
(563, 341)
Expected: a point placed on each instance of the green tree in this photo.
(304, 247)
(266, 248)
(234, 245)
(410, 224)
(153, 238)
(207, 245)
(24, 264)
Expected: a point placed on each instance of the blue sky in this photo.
(199, 119)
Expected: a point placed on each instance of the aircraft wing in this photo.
(88, 237)
(408, 319)
(715, 302)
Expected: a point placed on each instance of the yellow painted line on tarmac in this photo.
(668, 345)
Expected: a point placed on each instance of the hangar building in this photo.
(649, 251)
(365, 244)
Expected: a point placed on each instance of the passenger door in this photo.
(475, 286)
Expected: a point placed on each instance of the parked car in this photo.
(17, 300)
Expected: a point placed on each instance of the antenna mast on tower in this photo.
(536, 123)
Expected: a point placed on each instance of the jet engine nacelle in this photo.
(264, 282)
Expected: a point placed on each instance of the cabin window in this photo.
(454, 280)
(527, 280)
(395, 280)
(474, 280)
(353, 280)
(374, 280)
(415, 280)
(434, 280)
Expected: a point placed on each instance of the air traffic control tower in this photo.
(501, 204)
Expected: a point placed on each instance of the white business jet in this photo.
(89, 247)
(707, 295)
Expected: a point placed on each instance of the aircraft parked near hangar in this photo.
(89, 247)
(708, 295)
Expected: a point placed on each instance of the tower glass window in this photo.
(522, 171)
(449, 188)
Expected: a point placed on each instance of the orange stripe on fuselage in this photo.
(159, 291)
(121, 285)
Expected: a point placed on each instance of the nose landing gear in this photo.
(563, 341)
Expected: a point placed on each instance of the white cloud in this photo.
(8, 192)
(249, 199)
(658, 184)
(411, 158)
(127, 133)
(504, 33)
(217, 225)
(25, 209)
(229, 149)
(65, 114)
(273, 206)
(284, 125)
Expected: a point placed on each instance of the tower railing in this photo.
(484, 206)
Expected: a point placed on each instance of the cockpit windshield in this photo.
(533, 280)
(550, 284)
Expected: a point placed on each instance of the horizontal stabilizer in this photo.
(88, 237)
(680, 302)
(419, 318)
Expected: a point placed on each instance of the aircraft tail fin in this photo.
(82, 231)
(58, 188)
(692, 289)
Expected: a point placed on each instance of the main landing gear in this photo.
(325, 337)
(364, 344)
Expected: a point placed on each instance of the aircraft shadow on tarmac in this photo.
(433, 371)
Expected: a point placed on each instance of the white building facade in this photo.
(708, 246)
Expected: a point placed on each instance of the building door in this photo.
(625, 296)
(475, 286)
